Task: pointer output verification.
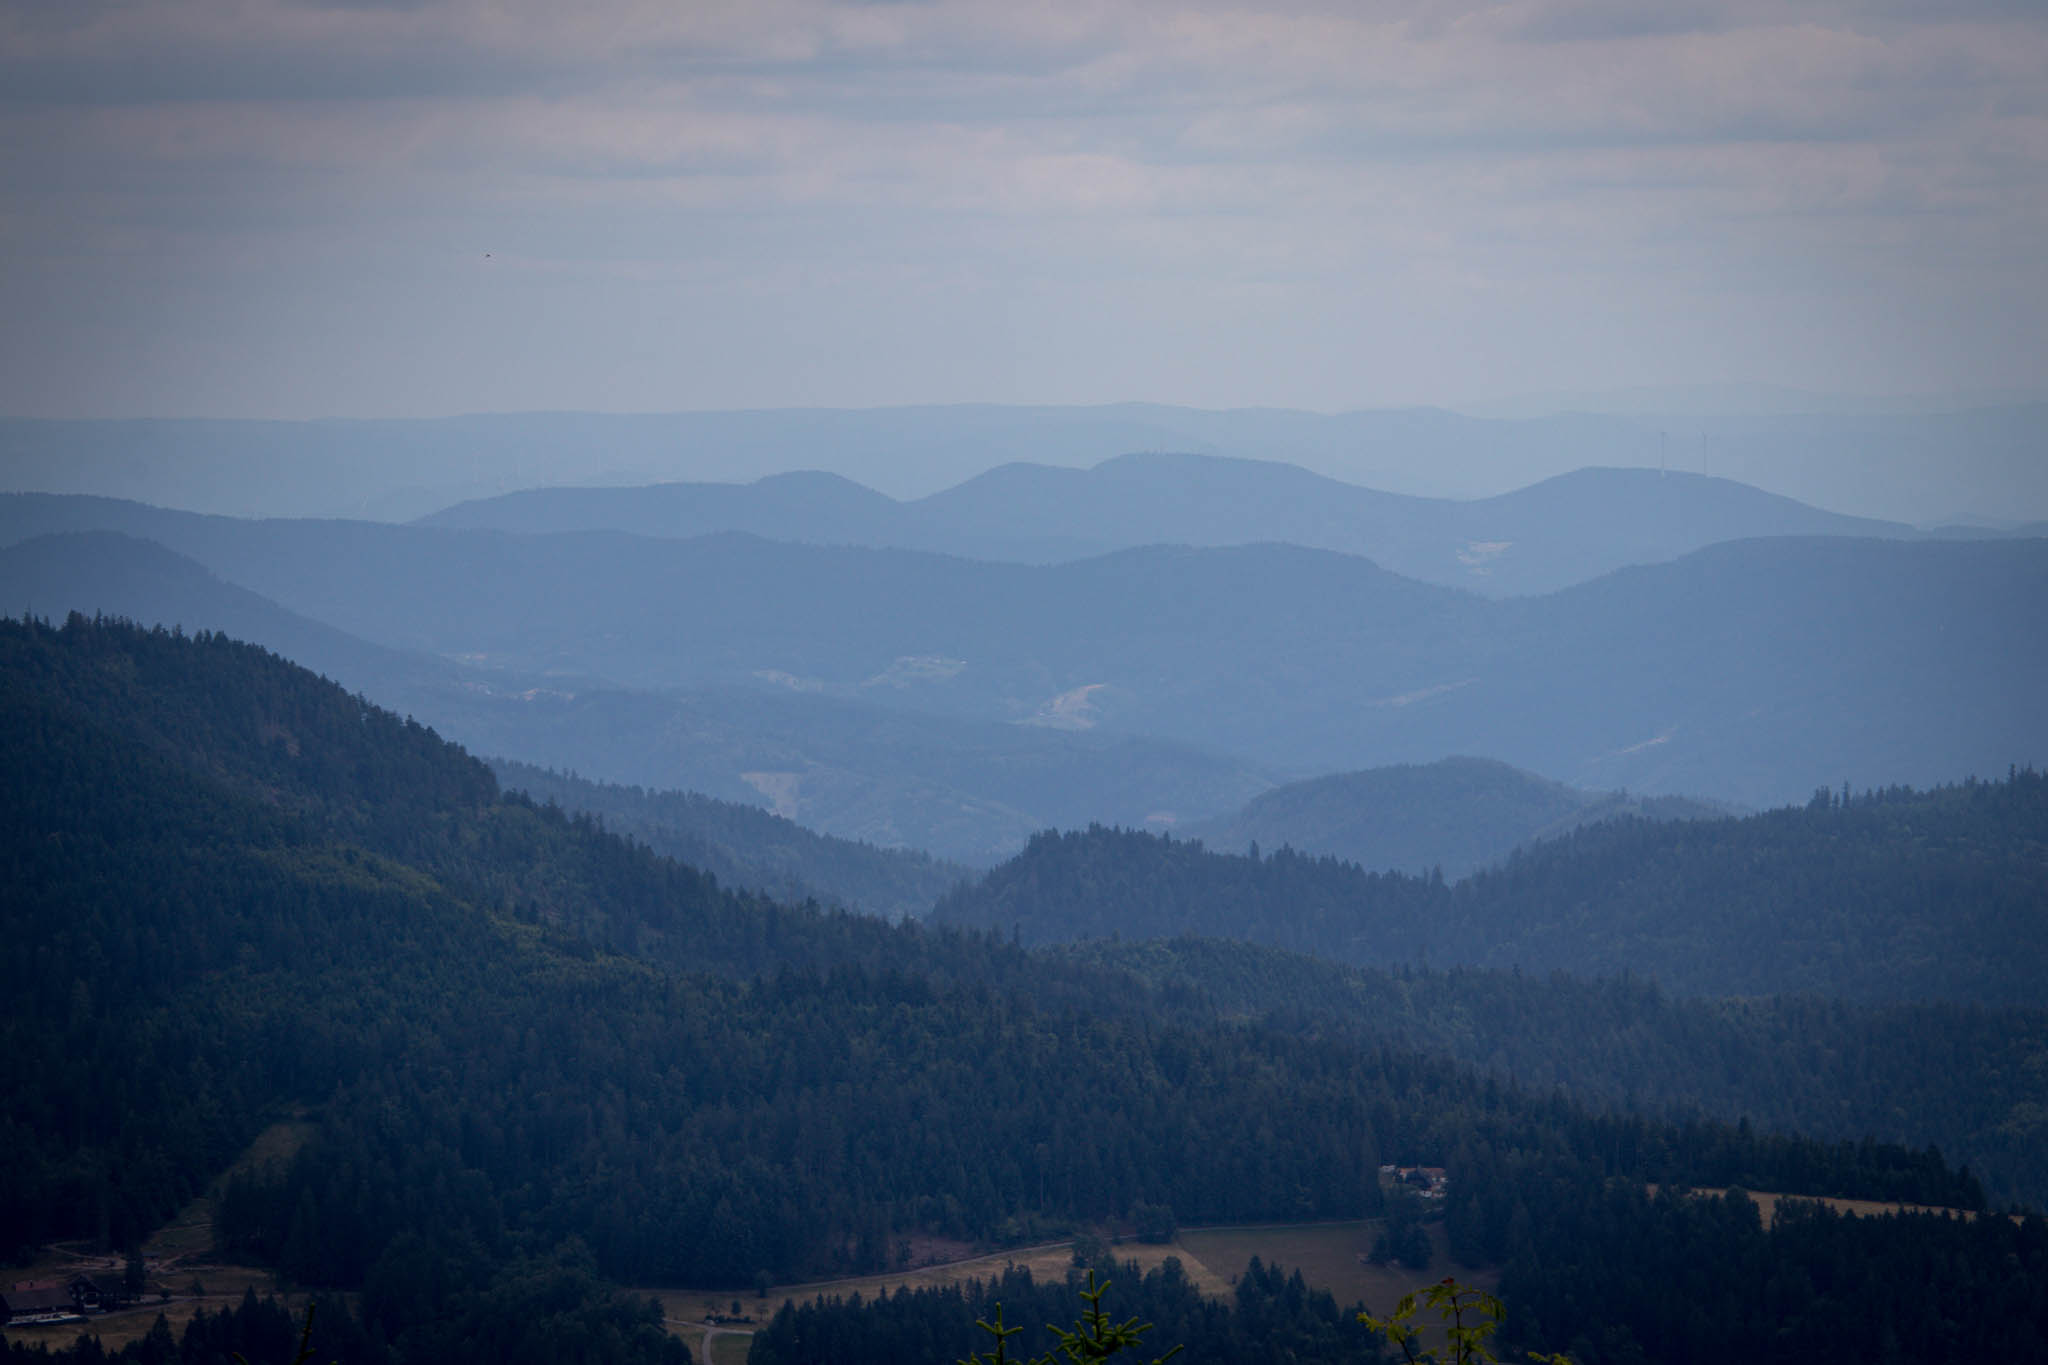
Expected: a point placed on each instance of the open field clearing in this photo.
(1767, 1205)
(1047, 1261)
(224, 1285)
(1330, 1256)
(687, 1310)
(177, 1256)
(189, 1236)
(727, 1348)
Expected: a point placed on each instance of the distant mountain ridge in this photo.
(962, 788)
(1893, 895)
(1549, 535)
(1455, 815)
(1917, 467)
(1750, 671)
(746, 847)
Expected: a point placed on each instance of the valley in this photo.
(1012, 907)
(939, 683)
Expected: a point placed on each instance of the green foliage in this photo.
(1154, 1223)
(1094, 1336)
(1971, 1081)
(234, 892)
(1271, 1315)
(305, 1351)
(1896, 894)
(261, 1330)
(1614, 1274)
(1403, 1238)
(1468, 1320)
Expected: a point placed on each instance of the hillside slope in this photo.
(965, 789)
(1896, 895)
(235, 888)
(1970, 1079)
(1456, 815)
(527, 1050)
(1748, 672)
(746, 847)
(1537, 539)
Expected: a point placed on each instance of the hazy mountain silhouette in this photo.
(1918, 467)
(1751, 671)
(1895, 895)
(1546, 536)
(962, 788)
(1456, 815)
(746, 847)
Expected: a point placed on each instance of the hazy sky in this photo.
(266, 208)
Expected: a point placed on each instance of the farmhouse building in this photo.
(37, 1302)
(1431, 1182)
(92, 1296)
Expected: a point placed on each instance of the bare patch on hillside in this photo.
(779, 788)
(1070, 710)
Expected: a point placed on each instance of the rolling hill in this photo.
(1895, 895)
(746, 847)
(1536, 539)
(237, 888)
(1906, 466)
(1456, 815)
(1748, 672)
(524, 1053)
(962, 788)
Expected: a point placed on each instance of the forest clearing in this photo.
(1330, 1256)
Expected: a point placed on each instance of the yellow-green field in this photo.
(177, 1256)
(1330, 1256)
(224, 1286)
(686, 1308)
(190, 1234)
(730, 1348)
(1767, 1204)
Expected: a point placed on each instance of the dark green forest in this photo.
(747, 847)
(1271, 1315)
(1618, 1276)
(542, 1060)
(1613, 1274)
(1888, 895)
(1967, 1078)
(1455, 815)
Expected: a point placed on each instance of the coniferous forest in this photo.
(542, 1062)
(841, 682)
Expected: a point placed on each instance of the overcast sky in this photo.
(397, 207)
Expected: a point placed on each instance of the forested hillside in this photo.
(1748, 671)
(1891, 895)
(746, 847)
(1616, 1276)
(874, 773)
(236, 889)
(1270, 1315)
(1455, 816)
(1970, 1079)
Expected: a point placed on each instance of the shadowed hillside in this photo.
(1894, 895)
(1457, 815)
(1747, 672)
